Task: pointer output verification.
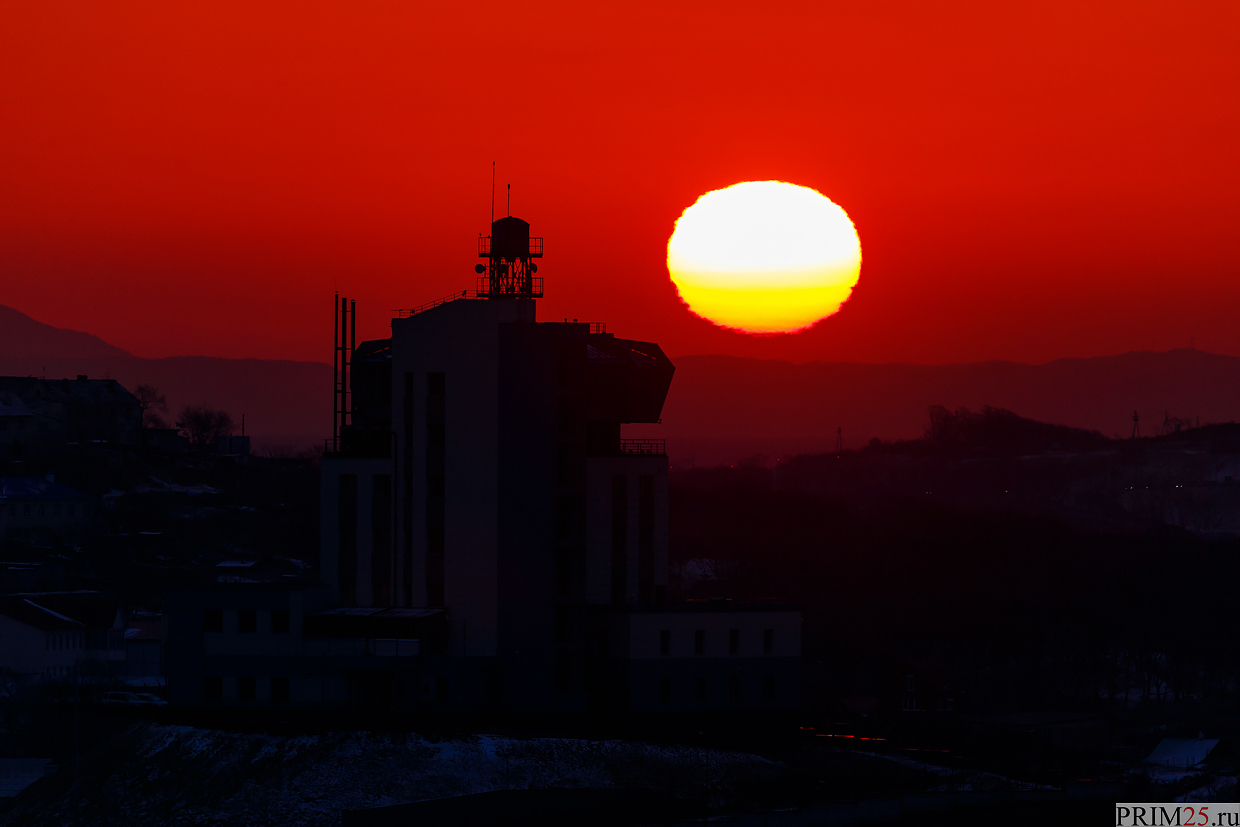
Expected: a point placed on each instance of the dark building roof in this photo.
(24, 610)
(144, 630)
(708, 606)
(93, 610)
(12, 405)
(33, 488)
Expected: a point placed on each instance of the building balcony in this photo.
(651, 447)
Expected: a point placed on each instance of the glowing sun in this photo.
(764, 256)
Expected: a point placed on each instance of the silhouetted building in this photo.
(144, 648)
(41, 512)
(233, 445)
(477, 488)
(42, 414)
(280, 645)
(59, 636)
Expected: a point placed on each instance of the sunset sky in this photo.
(1029, 181)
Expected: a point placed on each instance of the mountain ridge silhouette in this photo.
(721, 409)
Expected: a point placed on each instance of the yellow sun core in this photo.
(764, 257)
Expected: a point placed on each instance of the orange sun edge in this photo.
(762, 333)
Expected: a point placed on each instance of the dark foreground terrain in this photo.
(1001, 607)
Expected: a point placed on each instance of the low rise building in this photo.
(38, 416)
(61, 636)
(41, 512)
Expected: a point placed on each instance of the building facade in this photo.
(477, 477)
(51, 637)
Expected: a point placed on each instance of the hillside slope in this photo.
(723, 408)
(22, 337)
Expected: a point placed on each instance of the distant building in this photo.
(144, 648)
(233, 445)
(61, 636)
(37, 415)
(246, 645)
(485, 526)
(164, 440)
(41, 512)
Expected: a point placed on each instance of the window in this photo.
(279, 690)
(699, 689)
(909, 679)
(212, 688)
(768, 688)
(734, 641)
(41, 509)
(433, 562)
(247, 621)
(563, 671)
(699, 642)
(346, 525)
(56, 510)
(212, 620)
(246, 689)
(734, 687)
(279, 621)
(619, 539)
(665, 642)
(768, 641)
(665, 689)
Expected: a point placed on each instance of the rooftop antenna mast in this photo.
(492, 192)
(1136, 425)
(510, 200)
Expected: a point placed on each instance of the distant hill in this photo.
(721, 409)
(284, 402)
(21, 337)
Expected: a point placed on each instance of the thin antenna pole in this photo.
(336, 373)
(492, 192)
(510, 200)
(352, 347)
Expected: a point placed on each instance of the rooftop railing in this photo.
(653, 447)
(404, 314)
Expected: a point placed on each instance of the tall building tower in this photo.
(481, 476)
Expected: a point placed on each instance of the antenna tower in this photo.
(509, 251)
(342, 365)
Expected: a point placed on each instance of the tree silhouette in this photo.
(150, 400)
(202, 425)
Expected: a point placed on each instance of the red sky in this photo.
(1029, 180)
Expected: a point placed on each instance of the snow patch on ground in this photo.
(178, 775)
